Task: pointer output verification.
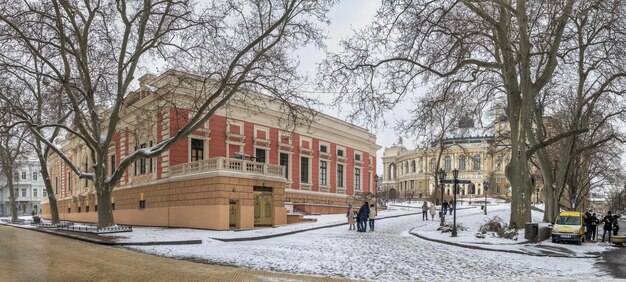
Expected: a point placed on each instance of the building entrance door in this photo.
(232, 222)
(263, 206)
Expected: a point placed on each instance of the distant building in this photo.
(240, 169)
(475, 152)
(28, 187)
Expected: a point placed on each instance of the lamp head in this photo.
(455, 173)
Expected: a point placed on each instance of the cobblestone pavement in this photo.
(33, 256)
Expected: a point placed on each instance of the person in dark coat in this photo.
(594, 226)
(363, 214)
(444, 206)
(615, 224)
(608, 225)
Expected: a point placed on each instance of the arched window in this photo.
(477, 162)
(462, 163)
(406, 167)
(499, 163)
(421, 165)
(447, 163)
(432, 164)
(413, 166)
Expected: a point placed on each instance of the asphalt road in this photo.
(27, 255)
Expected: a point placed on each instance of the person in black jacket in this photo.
(363, 213)
(608, 225)
(615, 224)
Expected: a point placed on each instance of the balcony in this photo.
(222, 164)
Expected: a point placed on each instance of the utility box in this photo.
(532, 232)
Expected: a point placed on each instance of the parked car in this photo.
(569, 226)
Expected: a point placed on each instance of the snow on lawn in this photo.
(389, 253)
(158, 234)
(474, 218)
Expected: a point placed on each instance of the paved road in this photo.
(27, 255)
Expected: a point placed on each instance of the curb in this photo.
(108, 243)
(298, 231)
(493, 250)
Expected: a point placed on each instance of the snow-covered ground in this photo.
(474, 218)
(389, 253)
(156, 234)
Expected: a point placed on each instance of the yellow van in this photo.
(569, 226)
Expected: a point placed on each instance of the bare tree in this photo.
(593, 59)
(11, 153)
(98, 47)
(508, 48)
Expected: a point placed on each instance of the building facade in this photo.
(241, 169)
(28, 187)
(473, 151)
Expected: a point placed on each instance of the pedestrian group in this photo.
(366, 213)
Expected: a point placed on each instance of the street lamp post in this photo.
(485, 189)
(442, 176)
(455, 175)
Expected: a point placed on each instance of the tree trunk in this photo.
(105, 211)
(13, 206)
(52, 200)
(518, 174)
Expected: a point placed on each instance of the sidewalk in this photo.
(472, 219)
(146, 236)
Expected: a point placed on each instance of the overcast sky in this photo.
(345, 17)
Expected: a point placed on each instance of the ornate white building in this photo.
(475, 152)
(28, 187)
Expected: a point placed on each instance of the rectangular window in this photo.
(17, 176)
(23, 192)
(323, 173)
(323, 149)
(112, 166)
(16, 192)
(113, 206)
(340, 175)
(142, 162)
(35, 193)
(357, 179)
(69, 182)
(69, 210)
(304, 170)
(95, 208)
(142, 204)
(24, 175)
(44, 193)
(78, 209)
(56, 185)
(284, 161)
(150, 167)
(357, 157)
(86, 208)
(197, 150)
(340, 153)
(34, 175)
(260, 155)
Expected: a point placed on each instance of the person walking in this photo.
(372, 216)
(594, 226)
(350, 216)
(425, 211)
(363, 212)
(608, 225)
(433, 210)
(451, 207)
(615, 224)
(444, 206)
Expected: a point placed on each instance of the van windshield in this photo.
(568, 220)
